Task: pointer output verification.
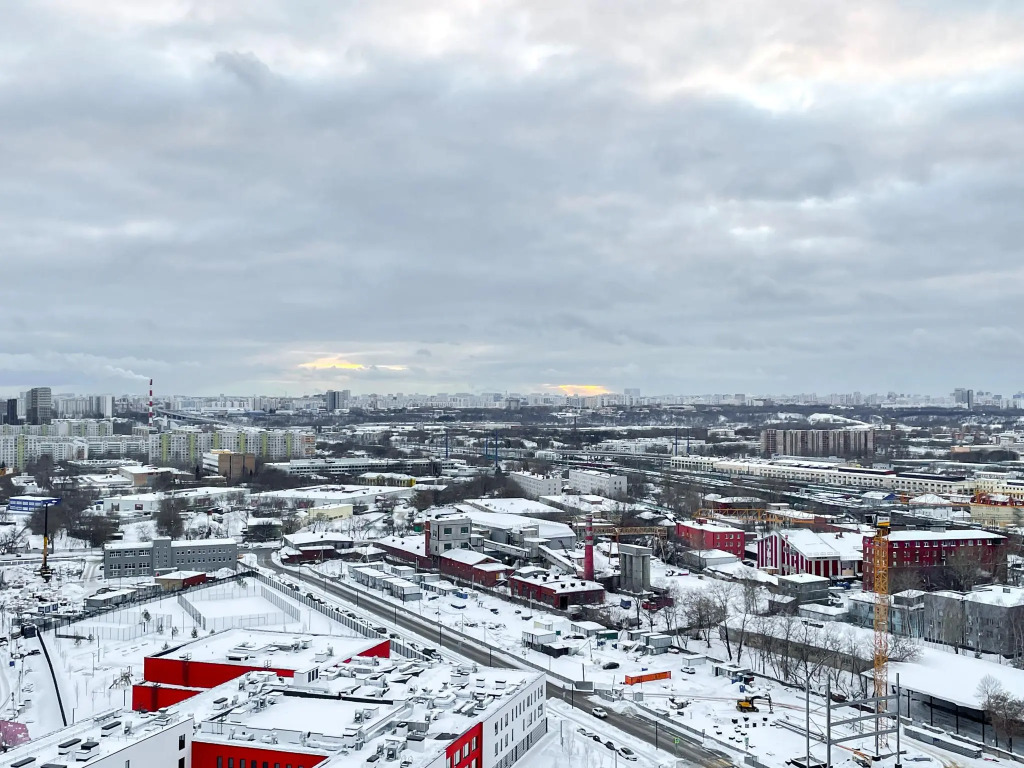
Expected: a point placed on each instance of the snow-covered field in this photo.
(96, 669)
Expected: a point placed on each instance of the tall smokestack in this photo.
(588, 550)
(150, 403)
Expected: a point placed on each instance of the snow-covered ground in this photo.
(95, 671)
(708, 703)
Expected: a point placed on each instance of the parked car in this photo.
(599, 712)
(689, 671)
(610, 665)
(673, 649)
(610, 745)
(585, 732)
(627, 753)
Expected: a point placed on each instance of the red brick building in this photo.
(407, 549)
(555, 590)
(798, 550)
(702, 534)
(934, 557)
(473, 566)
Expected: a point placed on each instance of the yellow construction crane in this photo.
(880, 563)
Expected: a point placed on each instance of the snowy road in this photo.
(650, 732)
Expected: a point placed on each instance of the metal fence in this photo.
(280, 603)
(357, 625)
(56, 623)
(192, 611)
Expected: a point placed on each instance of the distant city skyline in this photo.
(962, 395)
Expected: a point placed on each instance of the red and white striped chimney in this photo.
(150, 403)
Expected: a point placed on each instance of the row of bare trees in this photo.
(1004, 710)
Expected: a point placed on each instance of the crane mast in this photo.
(880, 563)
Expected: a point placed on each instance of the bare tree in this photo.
(721, 594)
(962, 570)
(702, 613)
(12, 538)
(672, 611)
(170, 518)
(1005, 711)
(954, 626)
(903, 648)
(1016, 622)
(749, 605)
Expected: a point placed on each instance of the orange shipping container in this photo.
(634, 679)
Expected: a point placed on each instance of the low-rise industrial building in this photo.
(232, 465)
(799, 588)
(554, 589)
(473, 566)
(798, 550)
(533, 484)
(162, 555)
(114, 739)
(599, 483)
(703, 534)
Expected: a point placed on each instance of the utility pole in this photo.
(807, 761)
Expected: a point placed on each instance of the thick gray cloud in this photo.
(702, 196)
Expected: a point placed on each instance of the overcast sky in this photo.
(286, 196)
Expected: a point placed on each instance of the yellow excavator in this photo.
(748, 703)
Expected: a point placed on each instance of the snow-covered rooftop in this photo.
(524, 507)
(414, 545)
(555, 582)
(710, 527)
(942, 535)
(467, 556)
(254, 647)
(547, 529)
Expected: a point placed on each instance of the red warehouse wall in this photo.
(205, 754)
(150, 698)
(199, 674)
(381, 651)
(461, 752)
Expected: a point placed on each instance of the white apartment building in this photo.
(513, 728)
(590, 481)
(533, 484)
(85, 405)
(62, 428)
(18, 450)
(826, 473)
(184, 445)
(188, 444)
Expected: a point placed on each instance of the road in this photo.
(655, 733)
